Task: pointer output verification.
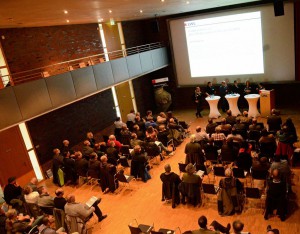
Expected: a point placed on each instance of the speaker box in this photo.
(155, 26)
(278, 7)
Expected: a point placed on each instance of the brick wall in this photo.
(29, 48)
(71, 122)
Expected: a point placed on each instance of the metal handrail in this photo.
(61, 67)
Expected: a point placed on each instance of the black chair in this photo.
(182, 167)
(140, 228)
(254, 193)
(209, 189)
(163, 231)
(239, 173)
(124, 151)
(259, 175)
(124, 179)
(124, 161)
(219, 171)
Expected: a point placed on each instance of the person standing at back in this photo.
(197, 97)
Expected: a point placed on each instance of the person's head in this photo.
(78, 155)
(245, 113)
(247, 83)
(275, 174)
(66, 154)
(273, 231)
(93, 156)
(59, 192)
(162, 128)
(137, 149)
(11, 214)
(229, 113)
(202, 221)
(118, 119)
(87, 143)
(34, 180)
(193, 138)
(198, 129)
(112, 138)
(171, 120)
(263, 160)
(237, 226)
(42, 190)
(167, 168)
(223, 121)
(124, 127)
(137, 118)
(198, 90)
(162, 114)
(12, 180)
(210, 121)
(254, 121)
(27, 190)
(66, 142)
(133, 136)
(218, 129)
(209, 84)
(150, 129)
(223, 83)
(46, 221)
(190, 169)
(89, 135)
(228, 172)
(103, 159)
(235, 82)
(132, 111)
(264, 132)
(149, 112)
(56, 151)
(70, 198)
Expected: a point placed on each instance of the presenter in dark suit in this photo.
(210, 90)
(197, 97)
(223, 91)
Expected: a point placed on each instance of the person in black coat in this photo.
(210, 90)
(223, 92)
(170, 189)
(197, 97)
(12, 190)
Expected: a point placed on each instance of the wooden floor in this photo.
(144, 201)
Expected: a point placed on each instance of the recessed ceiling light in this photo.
(187, 2)
(68, 21)
(66, 12)
(141, 11)
(100, 20)
(110, 11)
(162, 0)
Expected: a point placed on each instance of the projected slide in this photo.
(226, 45)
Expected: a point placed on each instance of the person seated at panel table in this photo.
(235, 88)
(210, 90)
(214, 227)
(224, 90)
(248, 88)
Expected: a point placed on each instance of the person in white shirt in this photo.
(200, 135)
(30, 195)
(131, 116)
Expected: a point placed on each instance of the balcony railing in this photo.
(58, 68)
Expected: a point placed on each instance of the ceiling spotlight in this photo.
(68, 21)
(187, 2)
(141, 11)
(110, 11)
(66, 12)
(162, 0)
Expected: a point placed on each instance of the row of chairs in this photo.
(137, 228)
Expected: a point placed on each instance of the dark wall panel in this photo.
(84, 81)
(61, 89)
(103, 75)
(71, 122)
(9, 109)
(29, 48)
(134, 65)
(33, 98)
(119, 69)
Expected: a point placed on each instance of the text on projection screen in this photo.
(227, 45)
